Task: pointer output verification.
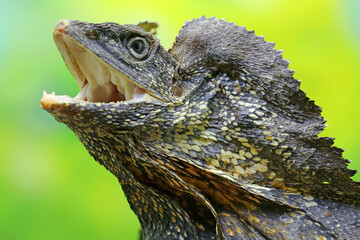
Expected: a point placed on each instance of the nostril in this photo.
(93, 34)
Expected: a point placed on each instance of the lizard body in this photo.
(212, 139)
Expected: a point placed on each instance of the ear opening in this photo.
(177, 87)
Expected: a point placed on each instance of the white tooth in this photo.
(129, 90)
(123, 84)
(138, 96)
(138, 93)
(83, 93)
(91, 93)
(117, 81)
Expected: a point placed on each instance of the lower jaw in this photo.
(48, 100)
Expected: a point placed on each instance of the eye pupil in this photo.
(138, 46)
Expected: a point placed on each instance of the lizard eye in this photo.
(138, 47)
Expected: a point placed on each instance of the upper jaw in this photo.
(98, 82)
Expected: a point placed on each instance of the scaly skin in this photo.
(225, 147)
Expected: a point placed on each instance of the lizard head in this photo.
(114, 68)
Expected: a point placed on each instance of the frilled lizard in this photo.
(212, 139)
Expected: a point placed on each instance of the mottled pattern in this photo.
(230, 150)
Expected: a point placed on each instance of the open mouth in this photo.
(98, 82)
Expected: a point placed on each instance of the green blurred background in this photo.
(50, 188)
